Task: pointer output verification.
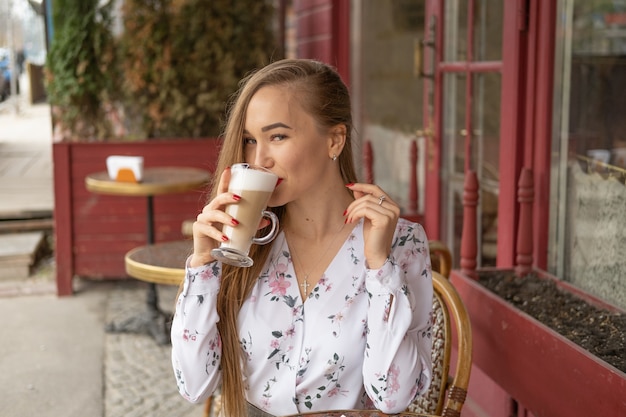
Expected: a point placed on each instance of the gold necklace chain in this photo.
(305, 283)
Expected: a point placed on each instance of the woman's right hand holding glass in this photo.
(207, 229)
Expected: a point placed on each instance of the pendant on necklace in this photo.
(305, 286)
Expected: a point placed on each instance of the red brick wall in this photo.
(323, 32)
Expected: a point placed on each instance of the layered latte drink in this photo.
(255, 186)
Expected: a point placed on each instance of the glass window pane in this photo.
(389, 92)
(457, 221)
(453, 136)
(486, 157)
(589, 190)
(455, 30)
(453, 162)
(488, 17)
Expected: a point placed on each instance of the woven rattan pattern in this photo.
(431, 402)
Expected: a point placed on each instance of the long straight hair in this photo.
(322, 94)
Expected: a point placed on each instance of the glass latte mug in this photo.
(254, 185)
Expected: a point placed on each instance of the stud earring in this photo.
(334, 157)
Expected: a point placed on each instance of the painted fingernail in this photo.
(350, 184)
(344, 212)
(228, 167)
(236, 197)
(224, 238)
(234, 222)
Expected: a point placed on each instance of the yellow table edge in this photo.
(151, 273)
(139, 189)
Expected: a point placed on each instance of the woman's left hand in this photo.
(381, 216)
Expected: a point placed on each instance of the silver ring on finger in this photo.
(381, 199)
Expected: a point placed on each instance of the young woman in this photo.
(335, 312)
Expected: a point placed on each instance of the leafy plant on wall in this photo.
(181, 60)
(175, 65)
(80, 70)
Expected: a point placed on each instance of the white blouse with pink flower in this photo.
(361, 340)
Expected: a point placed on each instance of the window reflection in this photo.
(390, 91)
(589, 192)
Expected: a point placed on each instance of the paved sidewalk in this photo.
(26, 185)
(51, 355)
(55, 357)
(32, 122)
(139, 380)
(57, 360)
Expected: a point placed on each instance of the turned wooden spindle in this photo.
(413, 199)
(469, 246)
(524, 244)
(368, 172)
(368, 162)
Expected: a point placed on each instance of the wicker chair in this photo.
(446, 395)
(440, 257)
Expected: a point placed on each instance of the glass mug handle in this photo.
(273, 232)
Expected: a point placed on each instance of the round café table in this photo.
(160, 263)
(155, 181)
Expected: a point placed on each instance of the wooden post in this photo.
(413, 199)
(524, 244)
(469, 238)
(63, 218)
(368, 162)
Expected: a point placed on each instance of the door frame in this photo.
(527, 69)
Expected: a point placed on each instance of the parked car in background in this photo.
(6, 74)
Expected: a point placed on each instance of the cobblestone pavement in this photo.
(138, 374)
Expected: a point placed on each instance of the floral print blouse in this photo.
(362, 339)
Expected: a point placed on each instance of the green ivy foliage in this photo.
(175, 65)
(78, 69)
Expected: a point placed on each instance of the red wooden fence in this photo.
(93, 232)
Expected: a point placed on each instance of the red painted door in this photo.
(470, 58)
(433, 76)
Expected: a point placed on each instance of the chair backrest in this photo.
(432, 401)
(447, 393)
(440, 257)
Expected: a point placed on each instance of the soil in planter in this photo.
(601, 332)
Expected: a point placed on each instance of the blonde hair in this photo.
(321, 93)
